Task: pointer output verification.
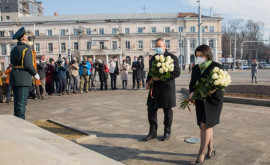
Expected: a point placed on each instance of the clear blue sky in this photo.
(70, 7)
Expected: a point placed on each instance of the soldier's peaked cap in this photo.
(19, 33)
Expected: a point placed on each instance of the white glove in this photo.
(37, 76)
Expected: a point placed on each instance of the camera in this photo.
(73, 61)
(84, 62)
(96, 64)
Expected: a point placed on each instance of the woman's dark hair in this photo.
(206, 50)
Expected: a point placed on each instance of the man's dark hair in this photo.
(206, 50)
(159, 39)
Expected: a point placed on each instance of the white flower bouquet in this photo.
(161, 67)
(217, 80)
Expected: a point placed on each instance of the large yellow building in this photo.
(106, 35)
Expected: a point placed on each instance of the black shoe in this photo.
(166, 136)
(198, 163)
(149, 137)
(208, 156)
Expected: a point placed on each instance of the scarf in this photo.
(204, 65)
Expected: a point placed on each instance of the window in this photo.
(50, 47)
(128, 45)
(181, 44)
(128, 60)
(180, 29)
(114, 45)
(89, 45)
(153, 29)
(192, 29)
(2, 34)
(62, 32)
(49, 32)
(168, 44)
(101, 45)
(211, 43)
(38, 47)
(167, 29)
(7, 17)
(140, 30)
(192, 44)
(126, 30)
(114, 30)
(203, 29)
(76, 32)
(101, 31)
(153, 44)
(88, 31)
(4, 49)
(212, 29)
(76, 46)
(140, 44)
(11, 33)
(36, 32)
(63, 47)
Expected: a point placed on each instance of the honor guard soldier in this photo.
(22, 60)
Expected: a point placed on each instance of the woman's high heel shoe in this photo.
(212, 154)
(198, 163)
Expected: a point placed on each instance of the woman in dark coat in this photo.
(208, 110)
(102, 75)
(139, 69)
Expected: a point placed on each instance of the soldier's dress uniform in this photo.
(21, 58)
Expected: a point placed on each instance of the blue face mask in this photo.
(135, 60)
(159, 50)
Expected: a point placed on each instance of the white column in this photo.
(187, 52)
(207, 41)
(121, 59)
(107, 59)
(215, 58)
(94, 58)
(7, 61)
(8, 49)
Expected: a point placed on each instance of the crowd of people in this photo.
(62, 76)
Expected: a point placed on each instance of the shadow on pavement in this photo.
(123, 153)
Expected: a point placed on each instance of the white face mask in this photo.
(200, 60)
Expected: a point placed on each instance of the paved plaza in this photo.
(119, 119)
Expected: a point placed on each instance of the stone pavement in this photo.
(119, 119)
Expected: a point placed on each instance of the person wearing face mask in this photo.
(208, 111)
(21, 58)
(124, 74)
(162, 95)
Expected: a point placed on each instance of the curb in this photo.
(249, 101)
(238, 100)
(78, 140)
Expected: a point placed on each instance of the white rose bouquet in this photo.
(161, 67)
(217, 80)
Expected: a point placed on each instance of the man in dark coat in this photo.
(102, 75)
(114, 75)
(139, 72)
(162, 95)
(21, 58)
(134, 73)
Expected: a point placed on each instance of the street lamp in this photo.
(199, 23)
(242, 50)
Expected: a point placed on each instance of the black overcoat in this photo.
(163, 91)
(139, 70)
(22, 76)
(211, 105)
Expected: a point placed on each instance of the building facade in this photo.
(13, 10)
(123, 35)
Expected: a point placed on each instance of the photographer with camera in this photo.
(74, 74)
(61, 70)
(84, 72)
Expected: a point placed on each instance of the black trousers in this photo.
(134, 79)
(152, 118)
(113, 80)
(20, 100)
(103, 83)
(138, 83)
(62, 85)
